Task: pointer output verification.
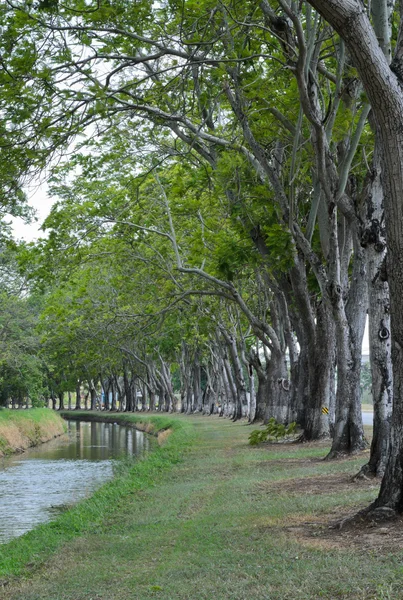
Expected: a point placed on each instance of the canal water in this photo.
(39, 484)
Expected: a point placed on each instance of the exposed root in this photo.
(370, 515)
(302, 439)
(365, 472)
(382, 513)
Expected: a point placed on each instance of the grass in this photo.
(20, 429)
(205, 516)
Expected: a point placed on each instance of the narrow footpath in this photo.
(229, 521)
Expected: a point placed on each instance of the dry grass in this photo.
(163, 436)
(20, 430)
(146, 427)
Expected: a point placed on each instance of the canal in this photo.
(39, 484)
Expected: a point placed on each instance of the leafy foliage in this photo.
(272, 432)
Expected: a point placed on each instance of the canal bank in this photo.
(39, 484)
(22, 429)
(25, 555)
(146, 425)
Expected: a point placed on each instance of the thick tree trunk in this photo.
(349, 431)
(113, 389)
(379, 326)
(61, 400)
(128, 391)
(143, 397)
(197, 390)
(78, 396)
(350, 20)
(239, 381)
(93, 393)
(278, 399)
(106, 388)
(320, 352)
(252, 402)
(232, 399)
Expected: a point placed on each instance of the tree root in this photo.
(366, 473)
(302, 439)
(370, 515)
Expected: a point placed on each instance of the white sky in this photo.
(38, 198)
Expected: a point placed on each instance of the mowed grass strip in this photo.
(221, 520)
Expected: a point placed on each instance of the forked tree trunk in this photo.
(349, 432)
(350, 20)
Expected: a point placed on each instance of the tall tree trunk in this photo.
(143, 397)
(321, 352)
(128, 391)
(78, 396)
(278, 401)
(379, 325)
(197, 390)
(350, 324)
(239, 381)
(93, 392)
(113, 390)
(232, 399)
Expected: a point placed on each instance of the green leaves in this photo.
(272, 432)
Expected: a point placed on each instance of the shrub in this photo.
(272, 432)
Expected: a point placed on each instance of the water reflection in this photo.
(36, 485)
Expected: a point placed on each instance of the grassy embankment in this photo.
(208, 517)
(21, 429)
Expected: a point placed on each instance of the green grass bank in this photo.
(206, 516)
(21, 429)
(26, 554)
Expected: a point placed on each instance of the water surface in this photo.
(37, 485)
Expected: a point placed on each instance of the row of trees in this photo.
(227, 208)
